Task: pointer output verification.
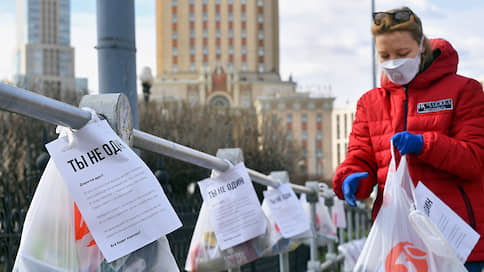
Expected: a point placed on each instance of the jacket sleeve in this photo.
(360, 156)
(462, 151)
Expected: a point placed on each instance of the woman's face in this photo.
(395, 45)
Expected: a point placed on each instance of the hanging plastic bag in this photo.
(325, 228)
(56, 238)
(402, 238)
(205, 254)
(351, 251)
(276, 242)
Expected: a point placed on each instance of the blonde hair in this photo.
(413, 26)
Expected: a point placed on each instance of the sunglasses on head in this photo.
(398, 16)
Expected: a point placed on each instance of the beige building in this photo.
(342, 120)
(44, 57)
(218, 52)
(307, 121)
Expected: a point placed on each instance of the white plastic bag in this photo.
(325, 228)
(402, 238)
(275, 242)
(55, 238)
(351, 251)
(206, 255)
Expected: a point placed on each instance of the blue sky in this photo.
(322, 42)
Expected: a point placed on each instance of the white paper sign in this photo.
(287, 211)
(119, 198)
(234, 209)
(460, 235)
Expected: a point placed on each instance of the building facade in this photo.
(44, 56)
(307, 122)
(342, 121)
(218, 52)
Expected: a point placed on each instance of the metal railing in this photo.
(34, 105)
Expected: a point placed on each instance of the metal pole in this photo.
(373, 56)
(314, 265)
(34, 105)
(349, 223)
(117, 50)
(357, 222)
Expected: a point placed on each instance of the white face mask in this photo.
(402, 71)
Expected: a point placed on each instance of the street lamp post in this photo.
(146, 78)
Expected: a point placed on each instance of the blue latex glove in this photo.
(350, 184)
(407, 142)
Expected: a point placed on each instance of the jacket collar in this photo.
(445, 63)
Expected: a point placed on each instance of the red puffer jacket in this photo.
(448, 110)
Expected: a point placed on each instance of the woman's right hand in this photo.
(350, 184)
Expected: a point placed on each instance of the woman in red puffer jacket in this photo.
(431, 113)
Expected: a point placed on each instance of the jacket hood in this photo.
(445, 63)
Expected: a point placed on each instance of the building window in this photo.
(304, 153)
(205, 50)
(217, 16)
(204, 2)
(230, 2)
(311, 106)
(319, 153)
(304, 135)
(319, 118)
(346, 149)
(346, 125)
(260, 18)
(231, 33)
(296, 106)
(205, 16)
(260, 3)
(304, 118)
(319, 134)
(338, 134)
(260, 35)
(192, 17)
(231, 50)
(175, 68)
(244, 66)
(243, 16)
(217, 50)
(217, 33)
(192, 2)
(245, 101)
(192, 33)
(192, 67)
(173, 3)
(231, 16)
(192, 50)
(261, 51)
(217, 2)
(175, 51)
(289, 118)
(281, 106)
(231, 66)
(205, 33)
(243, 2)
(338, 152)
(289, 135)
(175, 35)
(260, 68)
(244, 33)
(174, 18)
(205, 66)
(244, 50)
(274, 118)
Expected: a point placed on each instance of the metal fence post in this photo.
(314, 265)
(349, 223)
(357, 223)
(331, 254)
(235, 156)
(282, 177)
